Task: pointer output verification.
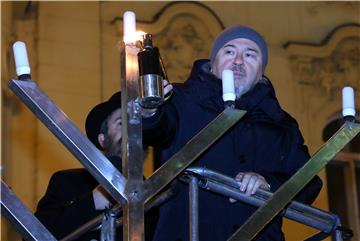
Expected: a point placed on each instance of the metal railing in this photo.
(328, 223)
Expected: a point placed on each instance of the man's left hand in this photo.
(249, 182)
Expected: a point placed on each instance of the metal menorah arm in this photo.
(21, 217)
(72, 138)
(95, 223)
(193, 149)
(297, 182)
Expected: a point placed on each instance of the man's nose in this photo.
(238, 59)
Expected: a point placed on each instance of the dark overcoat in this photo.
(266, 140)
(68, 203)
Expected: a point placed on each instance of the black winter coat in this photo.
(266, 140)
(68, 203)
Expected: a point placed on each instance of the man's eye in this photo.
(250, 55)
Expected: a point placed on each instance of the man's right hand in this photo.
(167, 89)
(101, 198)
(146, 112)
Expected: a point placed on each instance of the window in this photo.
(343, 179)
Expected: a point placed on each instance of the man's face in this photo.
(112, 142)
(244, 58)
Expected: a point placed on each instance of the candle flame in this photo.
(132, 38)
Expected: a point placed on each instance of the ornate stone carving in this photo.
(183, 31)
(315, 7)
(182, 41)
(329, 66)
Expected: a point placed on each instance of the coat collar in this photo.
(206, 88)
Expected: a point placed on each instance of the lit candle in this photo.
(228, 85)
(129, 27)
(132, 68)
(21, 58)
(130, 36)
(348, 101)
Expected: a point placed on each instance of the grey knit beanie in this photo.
(240, 31)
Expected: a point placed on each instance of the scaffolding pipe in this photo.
(96, 223)
(22, 219)
(194, 208)
(227, 186)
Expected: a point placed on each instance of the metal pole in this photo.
(229, 187)
(132, 151)
(259, 196)
(71, 136)
(194, 209)
(23, 220)
(96, 224)
(338, 233)
(306, 218)
(108, 226)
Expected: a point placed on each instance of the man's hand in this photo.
(249, 182)
(147, 112)
(167, 89)
(102, 199)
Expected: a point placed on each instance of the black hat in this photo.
(98, 114)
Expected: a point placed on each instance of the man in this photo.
(73, 196)
(262, 150)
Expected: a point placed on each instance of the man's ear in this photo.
(101, 140)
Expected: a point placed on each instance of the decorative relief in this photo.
(183, 32)
(329, 66)
(183, 40)
(316, 7)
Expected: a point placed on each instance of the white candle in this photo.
(228, 85)
(132, 68)
(21, 58)
(129, 27)
(348, 101)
